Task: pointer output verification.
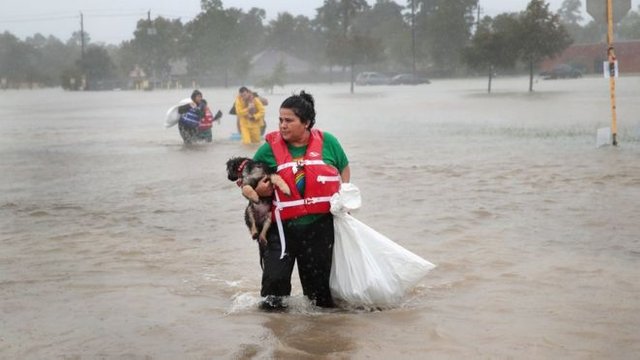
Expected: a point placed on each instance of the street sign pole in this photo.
(611, 57)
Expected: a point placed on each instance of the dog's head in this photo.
(235, 166)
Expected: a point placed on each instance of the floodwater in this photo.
(118, 242)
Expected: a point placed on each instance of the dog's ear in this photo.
(232, 168)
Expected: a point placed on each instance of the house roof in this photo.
(265, 61)
(137, 73)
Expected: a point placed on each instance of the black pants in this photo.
(188, 134)
(312, 247)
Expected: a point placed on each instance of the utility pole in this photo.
(82, 36)
(151, 32)
(611, 58)
(413, 36)
(83, 81)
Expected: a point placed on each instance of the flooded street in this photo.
(118, 242)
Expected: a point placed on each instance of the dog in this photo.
(247, 173)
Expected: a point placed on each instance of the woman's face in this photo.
(246, 96)
(291, 128)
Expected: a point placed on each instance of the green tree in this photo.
(75, 41)
(97, 66)
(281, 32)
(541, 35)
(384, 21)
(443, 30)
(353, 50)
(629, 27)
(592, 32)
(327, 24)
(53, 57)
(494, 45)
(570, 14)
(154, 45)
(295, 36)
(218, 39)
(207, 5)
(345, 46)
(17, 61)
(277, 78)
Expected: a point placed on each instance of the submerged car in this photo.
(371, 78)
(409, 79)
(562, 71)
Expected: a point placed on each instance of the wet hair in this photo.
(303, 106)
(243, 89)
(194, 94)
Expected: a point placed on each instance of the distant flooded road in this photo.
(119, 242)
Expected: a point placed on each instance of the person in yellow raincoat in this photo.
(250, 113)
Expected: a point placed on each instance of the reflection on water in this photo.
(300, 337)
(120, 242)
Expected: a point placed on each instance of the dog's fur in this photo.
(247, 173)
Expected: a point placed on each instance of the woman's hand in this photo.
(264, 187)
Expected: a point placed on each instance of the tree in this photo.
(155, 43)
(53, 57)
(384, 21)
(354, 49)
(444, 29)
(592, 32)
(281, 32)
(493, 45)
(570, 12)
(629, 27)
(17, 60)
(219, 38)
(207, 5)
(345, 46)
(97, 66)
(277, 77)
(295, 36)
(541, 35)
(76, 39)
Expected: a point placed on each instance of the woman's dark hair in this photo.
(194, 94)
(303, 106)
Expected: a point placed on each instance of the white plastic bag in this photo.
(173, 117)
(368, 268)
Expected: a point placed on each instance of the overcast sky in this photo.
(114, 21)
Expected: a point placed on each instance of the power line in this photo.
(92, 14)
(43, 18)
(117, 15)
(34, 19)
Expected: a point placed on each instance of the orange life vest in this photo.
(207, 120)
(321, 180)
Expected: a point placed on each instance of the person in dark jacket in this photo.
(196, 119)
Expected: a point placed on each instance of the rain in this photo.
(500, 143)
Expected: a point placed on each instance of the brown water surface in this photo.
(119, 242)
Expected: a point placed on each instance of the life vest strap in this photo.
(324, 179)
(285, 204)
(300, 163)
(306, 201)
(283, 244)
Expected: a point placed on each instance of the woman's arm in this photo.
(241, 109)
(345, 174)
(264, 187)
(259, 115)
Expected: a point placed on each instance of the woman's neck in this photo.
(303, 141)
